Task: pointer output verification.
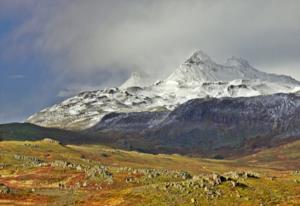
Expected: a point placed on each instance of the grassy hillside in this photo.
(283, 157)
(49, 173)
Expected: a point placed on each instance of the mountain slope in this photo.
(226, 126)
(198, 77)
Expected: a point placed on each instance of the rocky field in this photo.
(47, 172)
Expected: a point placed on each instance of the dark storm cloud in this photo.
(64, 47)
(84, 37)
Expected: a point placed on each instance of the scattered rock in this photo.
(34, 161)
(250, 174)
(62, 164)
(236, 175)
(101, 172)
(154, 173)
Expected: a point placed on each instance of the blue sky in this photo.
(52, 49)
(22, 80)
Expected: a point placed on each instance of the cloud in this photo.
(74, 89)
(94, 36)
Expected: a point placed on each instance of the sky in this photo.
(52, 49)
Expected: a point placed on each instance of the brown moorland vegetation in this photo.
(49, 173)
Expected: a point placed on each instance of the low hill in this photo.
(27, 131)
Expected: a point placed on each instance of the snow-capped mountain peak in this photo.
(198, 77)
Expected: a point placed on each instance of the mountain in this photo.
(198, 77)
(210, 126)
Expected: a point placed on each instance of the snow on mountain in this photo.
(198, 77)
(200, 68)
(135, 80)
